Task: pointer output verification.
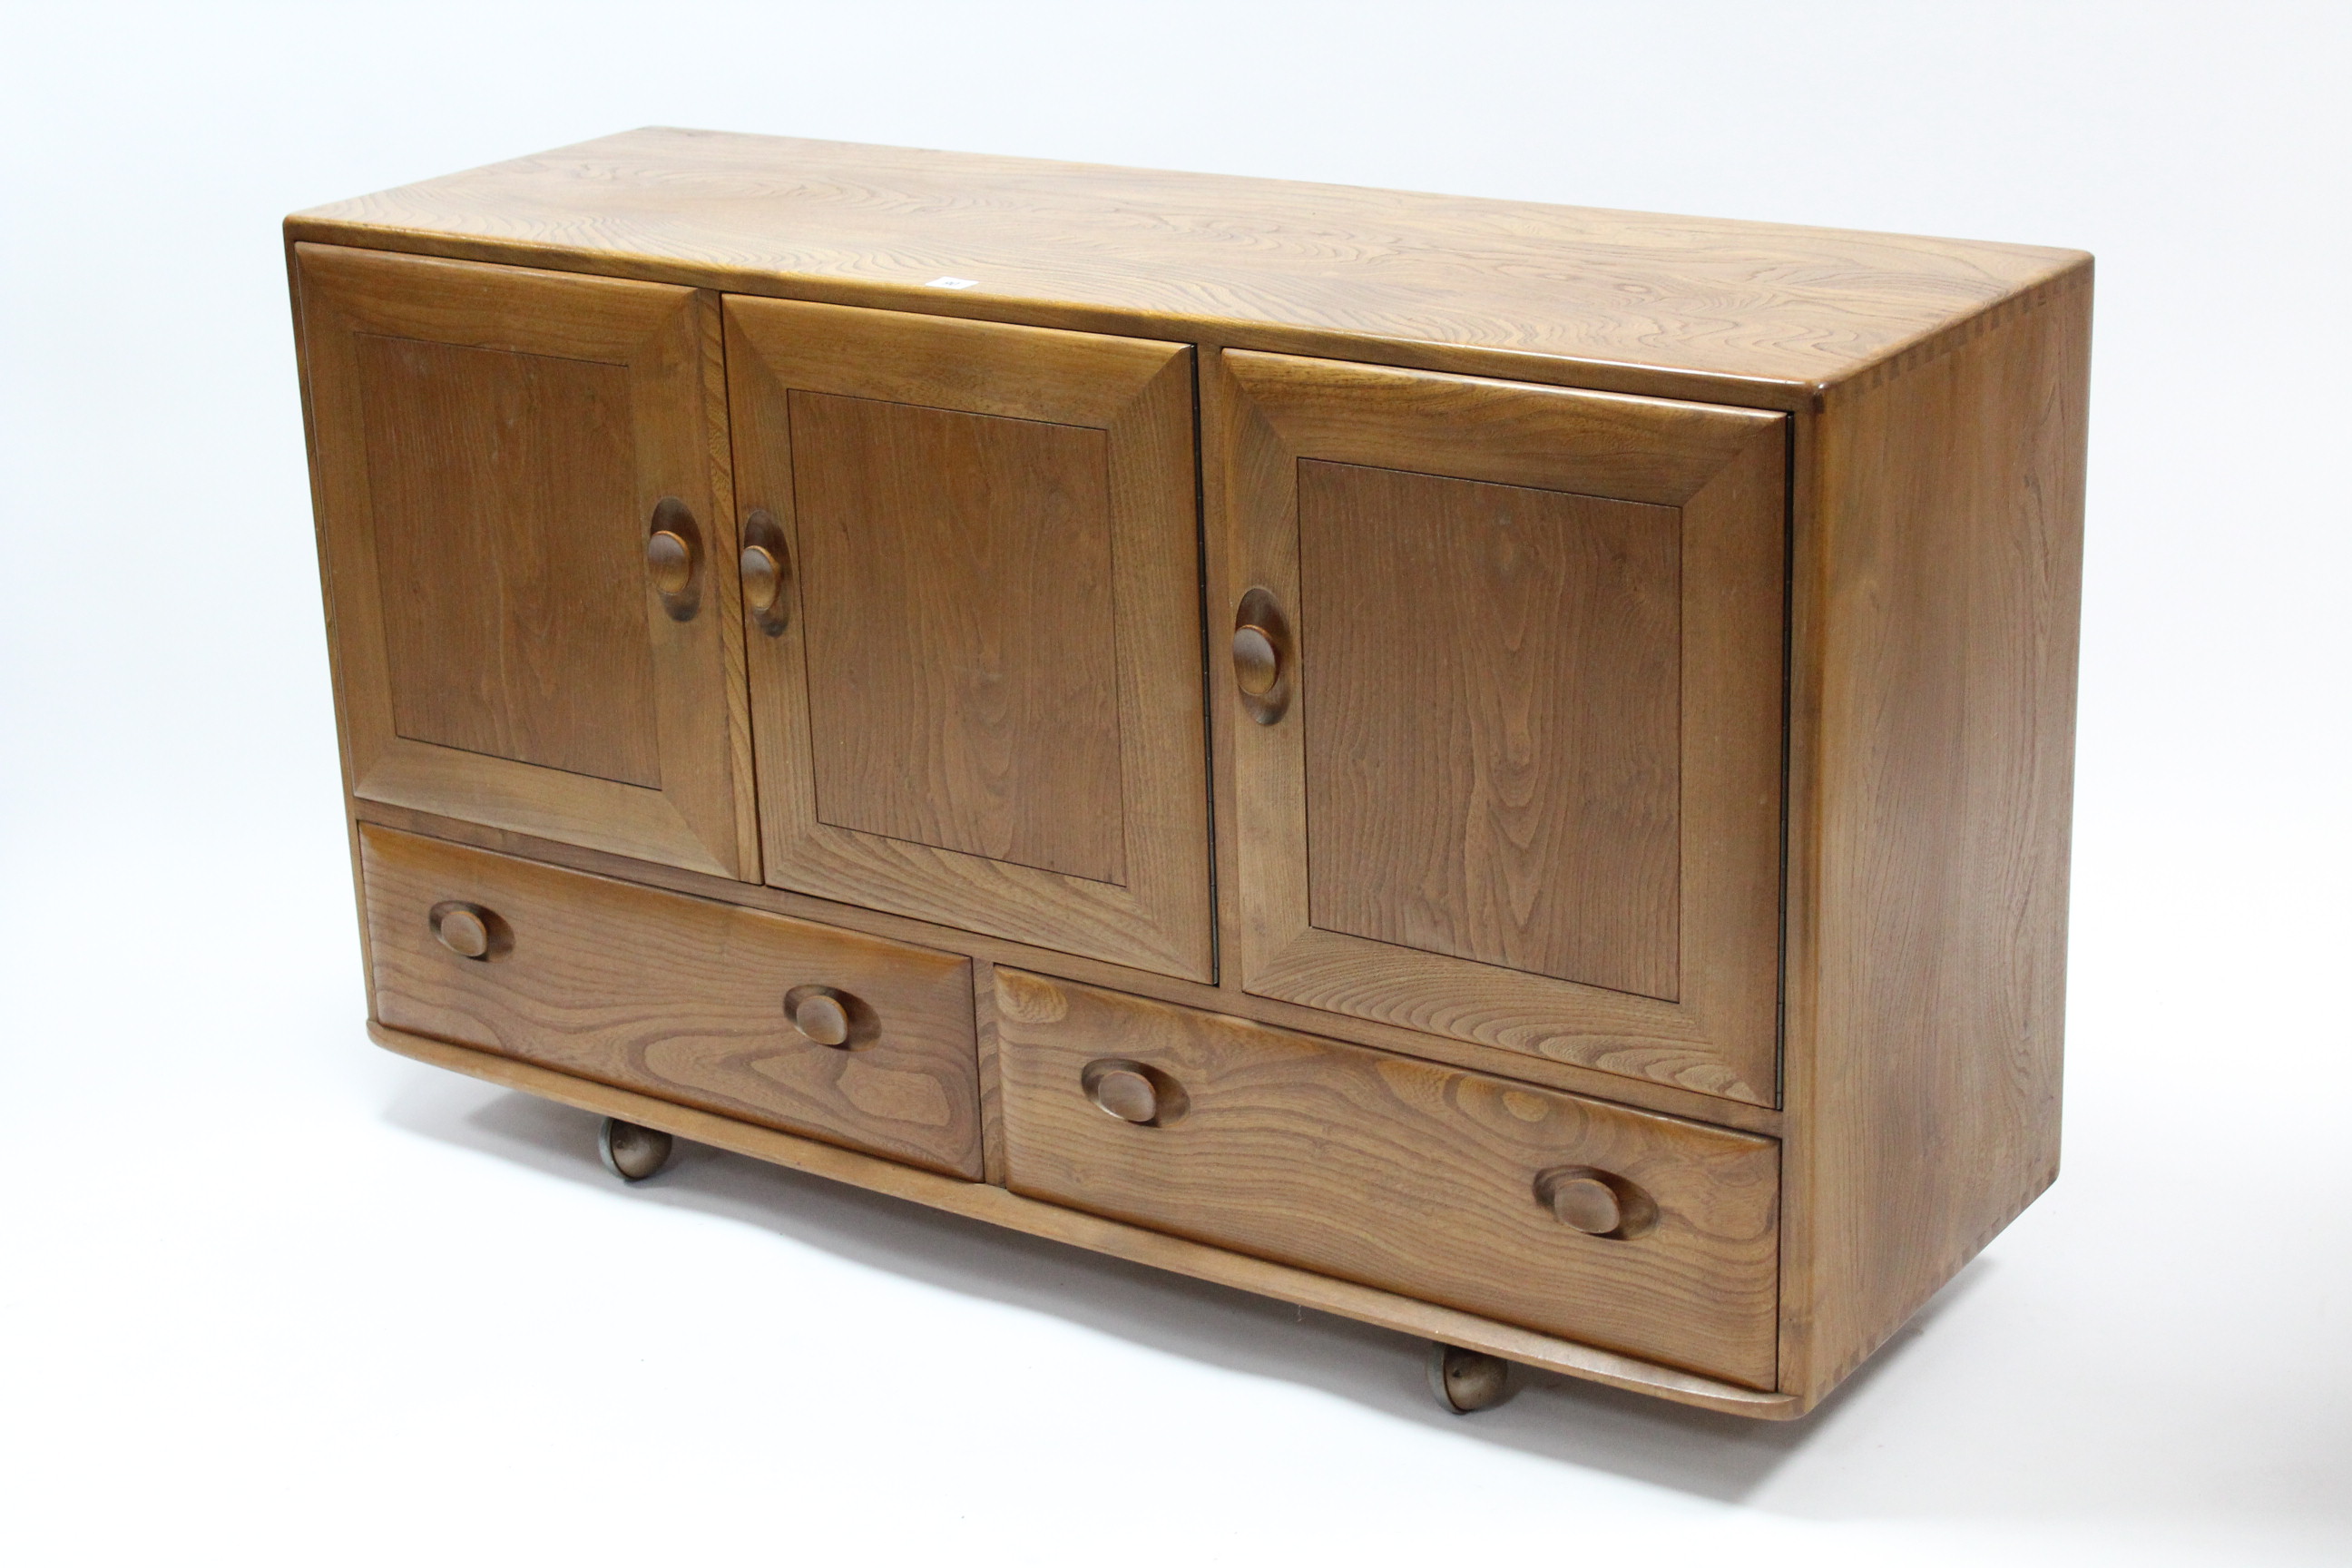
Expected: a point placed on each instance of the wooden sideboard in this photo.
(1500, 770)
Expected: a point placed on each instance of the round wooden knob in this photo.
(1257, 665)
(1128, 1095)
(1134, 1092)
(1262, 653)
(1596, 1202)
(764, 579)
(822, 1017)
(669, 557)
(1587, 1204)
(463, 930)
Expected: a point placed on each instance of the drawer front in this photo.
(692, 1001)
(1639, 1233)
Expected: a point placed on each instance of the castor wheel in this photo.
(1464, 1381)
(630, 1152)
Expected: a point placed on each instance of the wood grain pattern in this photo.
(1396, 1174)
(1302, 268)
(1494, 750)
(1932, 754)
(1723, 472)
(680, 999)
(986, 721)
(508, 544)
(963, 653)
(1152, 1249)
(488, 447)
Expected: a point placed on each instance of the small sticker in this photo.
(953, 283)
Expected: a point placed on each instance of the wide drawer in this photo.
(679, 997)
(1635, 1232)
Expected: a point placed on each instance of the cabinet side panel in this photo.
(1933, 736)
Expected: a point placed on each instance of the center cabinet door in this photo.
(1507, 709)
(973, 610)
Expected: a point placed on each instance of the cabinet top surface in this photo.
(1173, 254)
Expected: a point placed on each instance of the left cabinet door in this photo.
(528, 550)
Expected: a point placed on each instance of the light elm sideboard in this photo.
(1500, 770)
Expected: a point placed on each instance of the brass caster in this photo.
(630, 1152)
(1464, 1381)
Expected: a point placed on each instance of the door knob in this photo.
(1596, 1202)
(766, 568)
(1256, 663)
(674, 559)
(764, 579)
(670, 559)
(1262, 656)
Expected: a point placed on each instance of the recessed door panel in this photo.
(506, 542)
(1523, 809)
(962, 660)
(503, 457)
(1506, 708)
(975, 682)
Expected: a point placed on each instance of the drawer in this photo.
(688, 1000)
(1635, 1232)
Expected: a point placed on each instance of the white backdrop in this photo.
(270, 1296)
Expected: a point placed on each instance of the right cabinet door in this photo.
(1505, 668)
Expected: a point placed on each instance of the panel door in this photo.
(972, 615)
(1506, 682)
(519, 480)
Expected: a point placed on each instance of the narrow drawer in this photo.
(679, 997)
(1620, 1228)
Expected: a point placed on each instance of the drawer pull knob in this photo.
(1587, 1204)
(1262, 656)
(674, 559)
(825, 1017)
(822, 1019)
(1133, 1091)
(1127, 1095)
(1596, 1203)
(766, 568)
(468, 931)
